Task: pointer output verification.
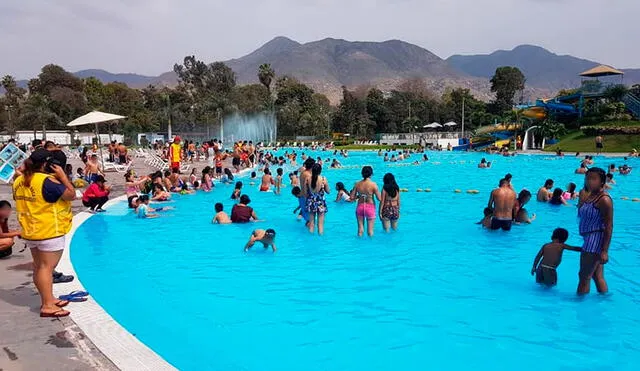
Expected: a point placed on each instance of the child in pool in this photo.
(486, 221)
(185, 190)
(293, 178)
(556, 197)
(267, 237)
(551, 255)
(253, 178)
(301, 210)
(221, 217)
(343, 195)
(237, 191)
(143, 210)
(278, 180)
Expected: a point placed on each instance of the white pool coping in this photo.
(114, 341)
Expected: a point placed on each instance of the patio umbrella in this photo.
(432, 125)
(95, 118)
(450, 123)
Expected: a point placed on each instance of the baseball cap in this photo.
(40, 155)
(176, 139)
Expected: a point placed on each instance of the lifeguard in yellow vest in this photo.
(43, 195)
(175, 153)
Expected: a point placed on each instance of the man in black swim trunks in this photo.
(502, 201)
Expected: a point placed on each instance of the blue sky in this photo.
(148, 36)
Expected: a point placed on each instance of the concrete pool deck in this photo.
(28, 342)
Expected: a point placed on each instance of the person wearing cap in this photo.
(43, 196)
(96, 195)
(175, 153)
(267, 237)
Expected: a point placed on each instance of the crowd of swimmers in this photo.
(595, 212)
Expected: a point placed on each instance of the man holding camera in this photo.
(43, 196)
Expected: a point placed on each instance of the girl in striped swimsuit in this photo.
(595, 211)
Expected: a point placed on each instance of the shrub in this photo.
(610, 130)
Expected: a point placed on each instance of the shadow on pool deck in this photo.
(31, 343)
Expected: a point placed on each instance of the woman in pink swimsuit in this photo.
(364, 192)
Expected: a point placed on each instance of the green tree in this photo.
(351, 116)
(37, 115)
(94, 91)
(505, 83)
(379, 112)
(615, 93)
(266, 74)
(250, 99)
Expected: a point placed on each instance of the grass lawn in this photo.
(578, 142)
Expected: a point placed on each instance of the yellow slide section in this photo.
(537, 113)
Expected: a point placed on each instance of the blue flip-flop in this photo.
(74, 299)
(75, 296)
(78, 293)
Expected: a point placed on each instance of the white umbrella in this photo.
(95, 117)
(433, 125)
(450, 123)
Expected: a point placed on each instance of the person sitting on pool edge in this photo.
(551, 255)
(502, 202)
(221, 217)
(267, 237)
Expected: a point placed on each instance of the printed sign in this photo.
(11, 157)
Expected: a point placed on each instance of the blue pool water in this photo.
(441, 293)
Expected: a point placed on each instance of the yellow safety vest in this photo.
(175, 152)
(39, 219)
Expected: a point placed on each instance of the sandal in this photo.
(62, 303)
(57, 314)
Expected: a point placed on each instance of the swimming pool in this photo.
(439, 294)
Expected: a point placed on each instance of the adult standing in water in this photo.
(502, 202)
(595, 211)
(43, 195)
(365, 191)
(390, 203)
(316, 186)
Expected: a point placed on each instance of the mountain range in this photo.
(326, 65)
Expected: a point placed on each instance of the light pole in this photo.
(169, 118)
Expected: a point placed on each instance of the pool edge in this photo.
(113, 340)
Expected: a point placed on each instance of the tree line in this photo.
(206, 93)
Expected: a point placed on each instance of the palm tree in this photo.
(266, 74)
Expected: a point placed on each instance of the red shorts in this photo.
(175, 165)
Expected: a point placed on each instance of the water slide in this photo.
(542, 107)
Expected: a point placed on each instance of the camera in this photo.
(56, 158)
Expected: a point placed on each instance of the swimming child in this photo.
(343, 195)
(556, 197)
(278, 180)
(267, 181)
(486, 221)
(293, 178)
(237, 191)
(267, 237)
(570, 193)
(253, 178)
(143, 210)
(221, 217)
(301, 210)
(227, 177)
(185, 190)
(551, 255)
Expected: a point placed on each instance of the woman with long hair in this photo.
(364, 192)
(43, 195)
(316, 186)
(390, 203)
(595, 210)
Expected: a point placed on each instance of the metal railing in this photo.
(632, 103)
